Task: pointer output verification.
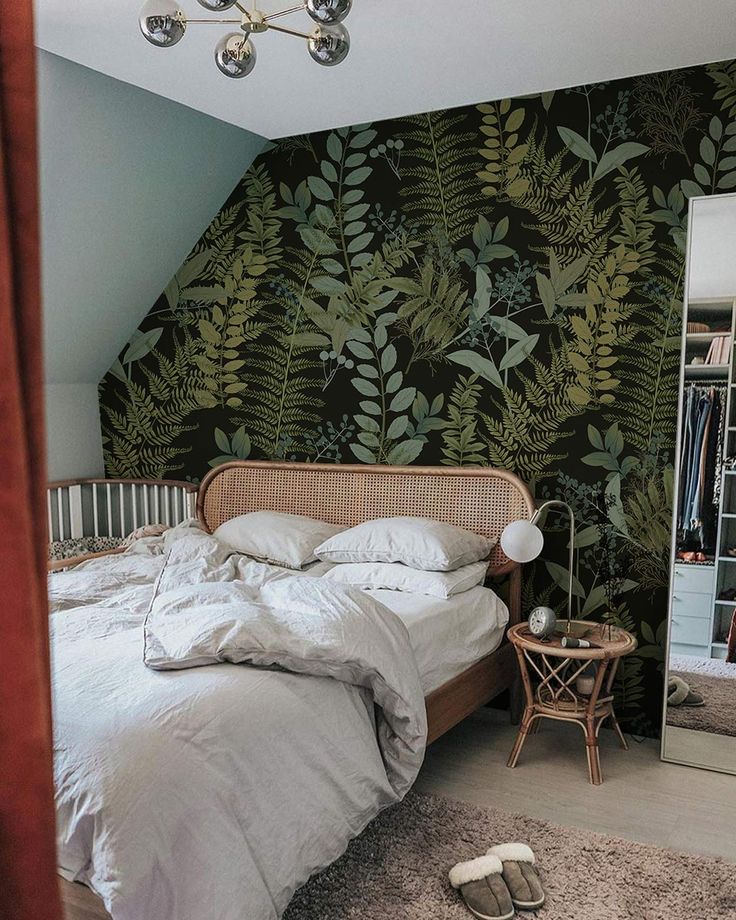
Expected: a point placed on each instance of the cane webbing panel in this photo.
(481, 500)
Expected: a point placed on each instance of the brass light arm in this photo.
(293, 9)
(289, 31)
(562, 506)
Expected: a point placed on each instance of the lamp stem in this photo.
(571, 564)
(556, 503)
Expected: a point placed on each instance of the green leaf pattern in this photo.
(497, 284)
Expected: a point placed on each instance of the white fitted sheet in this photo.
(448, 636)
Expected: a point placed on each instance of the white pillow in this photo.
(394, 576)
(288, 540)
(418, 542)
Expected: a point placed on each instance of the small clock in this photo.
(542, 622)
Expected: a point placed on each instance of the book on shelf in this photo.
(719, 351)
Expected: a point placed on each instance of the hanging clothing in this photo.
(686, 449)
(701, 460)
(713, 450)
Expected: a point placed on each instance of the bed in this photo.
(482, 500)
(86, 517)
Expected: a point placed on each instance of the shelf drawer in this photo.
(686, 604)
(696, 579)
(690, 630)
(700, 651)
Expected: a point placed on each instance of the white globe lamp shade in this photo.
(522, 541)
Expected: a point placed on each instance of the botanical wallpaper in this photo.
(499, 284)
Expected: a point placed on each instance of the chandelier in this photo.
(163, 23)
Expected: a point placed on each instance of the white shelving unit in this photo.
(700, 619)
(715, 313)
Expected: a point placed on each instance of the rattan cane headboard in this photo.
(483, 500)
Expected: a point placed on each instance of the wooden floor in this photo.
(80, 903)
(641, 798)
(709, 750)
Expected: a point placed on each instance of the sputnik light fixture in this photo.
(163, 23)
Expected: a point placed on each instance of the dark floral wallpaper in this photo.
(499, 284)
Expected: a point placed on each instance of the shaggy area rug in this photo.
(716, 667)
(397, 870)
(719, 713)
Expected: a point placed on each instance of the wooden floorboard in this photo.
(80, 903)
(641, 798)
(683, 745)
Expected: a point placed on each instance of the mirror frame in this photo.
(669, 758)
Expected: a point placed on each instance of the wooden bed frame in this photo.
(481, 499)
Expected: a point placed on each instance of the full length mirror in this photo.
(700, 693)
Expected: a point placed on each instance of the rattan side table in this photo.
(549, 674)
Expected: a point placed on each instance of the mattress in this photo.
(448, 636)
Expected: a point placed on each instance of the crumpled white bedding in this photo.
(214, 792)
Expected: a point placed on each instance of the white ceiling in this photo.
(712, 253)
(407, 55)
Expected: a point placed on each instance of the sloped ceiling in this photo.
(407, 55)
(129, 180)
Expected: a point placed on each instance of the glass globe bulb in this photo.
(162, 23)
(216, 6)
(235, 55)
(522, 541)
(329, 45)
(327, 11)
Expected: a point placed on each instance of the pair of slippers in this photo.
(494, 886)
(680, 694)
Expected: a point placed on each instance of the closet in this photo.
(699, 727)
(704, 588)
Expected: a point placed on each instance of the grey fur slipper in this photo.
(680, 694)
(520, 874)
(482, 888)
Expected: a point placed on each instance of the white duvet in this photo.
(215, 791)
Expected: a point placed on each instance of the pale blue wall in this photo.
(73, 437)
(129, 181)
